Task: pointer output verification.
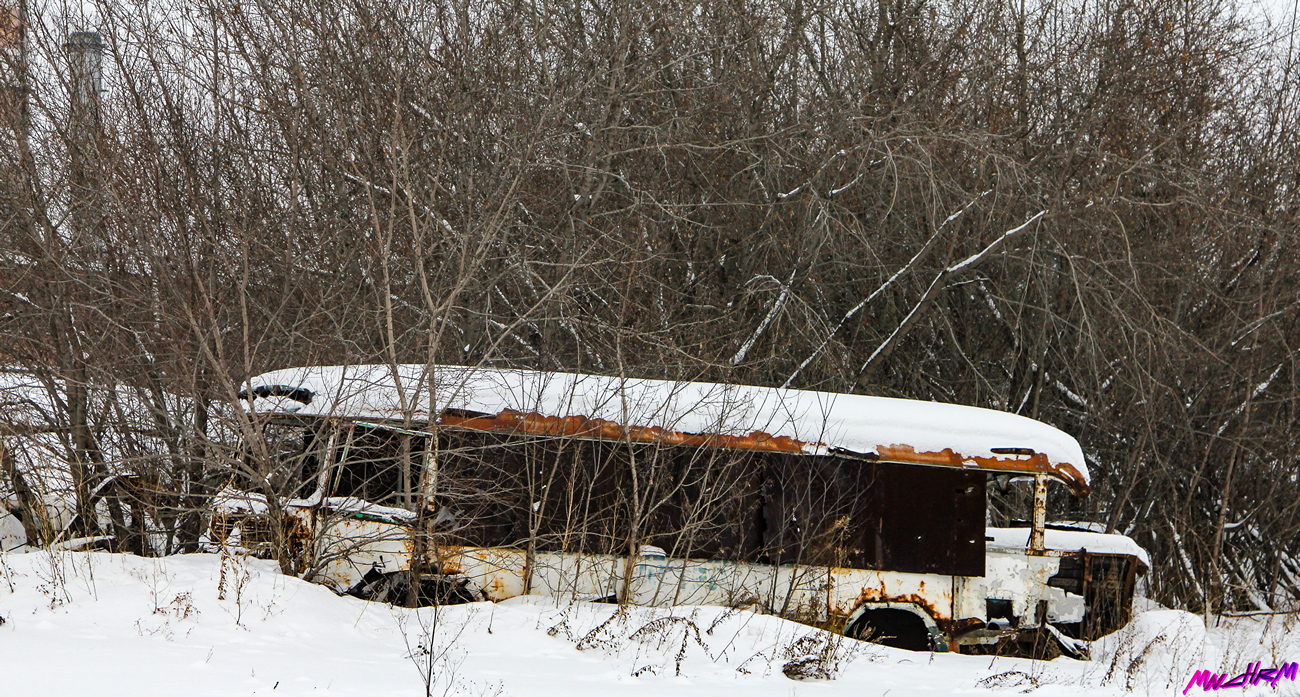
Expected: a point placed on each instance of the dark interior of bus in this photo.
(571, 495)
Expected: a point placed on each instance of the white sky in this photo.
(1276, 11)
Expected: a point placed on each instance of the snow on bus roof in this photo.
(688, 413)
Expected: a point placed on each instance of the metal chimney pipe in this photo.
(85, 58)
(85, 55)
(13, 61)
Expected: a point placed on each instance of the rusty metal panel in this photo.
(931, 521)
(1013, 460)
(575, 426)
(510, 421)
(931, 593)
(883, 516)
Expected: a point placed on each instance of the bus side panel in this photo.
(1020, 579)
(349, 547)
(850, 588)
(929, 521)
(846, 513)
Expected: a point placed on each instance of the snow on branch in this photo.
(969, 262)
(358, 180)
(771, 313)
(888, 282)
(825, 164)
(1241, 408)
(978, 256)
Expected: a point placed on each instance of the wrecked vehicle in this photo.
(865, 515)
(70, 488)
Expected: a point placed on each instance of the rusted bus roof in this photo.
(513, 422)
(1006, 463)
(696, 414)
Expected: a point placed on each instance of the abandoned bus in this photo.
(863, 514)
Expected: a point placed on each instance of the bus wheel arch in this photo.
(894, 624)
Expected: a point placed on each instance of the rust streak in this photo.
(879, 595)
(949, 626)
(514, 422)
(1032, 464)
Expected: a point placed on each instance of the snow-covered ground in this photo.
(92, 623)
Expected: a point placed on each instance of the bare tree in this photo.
(754, 191)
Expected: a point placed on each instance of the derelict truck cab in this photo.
(866, 515)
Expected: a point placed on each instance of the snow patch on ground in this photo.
(114, 624)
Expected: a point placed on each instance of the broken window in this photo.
(293, 459)
(378, 465)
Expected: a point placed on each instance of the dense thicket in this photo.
(776, 192)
